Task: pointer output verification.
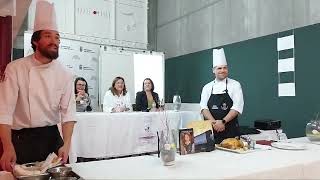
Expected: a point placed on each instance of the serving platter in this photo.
(47, 175)
(289, 145)
(239, 151)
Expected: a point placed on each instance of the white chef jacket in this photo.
(36, 95)
(111, 101)
(219, 87)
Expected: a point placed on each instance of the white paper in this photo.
(287, 89)
(286, 42)
(286, 65)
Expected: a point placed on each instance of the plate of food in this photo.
(234, 145)
(289, 145)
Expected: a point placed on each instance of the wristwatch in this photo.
(224, 121)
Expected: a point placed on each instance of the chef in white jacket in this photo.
(222, 100)
(36, 95)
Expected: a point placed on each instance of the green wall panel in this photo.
(254, 64)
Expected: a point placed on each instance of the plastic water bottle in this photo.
(176, 102)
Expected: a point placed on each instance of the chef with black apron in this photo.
(222, 100)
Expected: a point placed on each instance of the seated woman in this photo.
(117, 98)
(146, 98)
(83, 100)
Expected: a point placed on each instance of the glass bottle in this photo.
(176, 102)
(167, 148)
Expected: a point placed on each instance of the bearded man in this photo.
(36, 95)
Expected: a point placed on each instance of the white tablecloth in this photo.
(264, 164)
(99, 135)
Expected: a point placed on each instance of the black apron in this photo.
(35, 144)
(219, 106)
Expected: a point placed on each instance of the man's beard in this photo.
(49, 54)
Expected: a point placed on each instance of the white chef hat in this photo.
(45, 18)
(218, 58)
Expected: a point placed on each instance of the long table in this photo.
(100, 135)
(263, 164)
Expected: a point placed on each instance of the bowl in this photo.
(60, 171)
(34, 166)
(313, 131)
(45, 176)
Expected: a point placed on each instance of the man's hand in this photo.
(63, 153)
(67, 129)
(219, 126)
(8, 158)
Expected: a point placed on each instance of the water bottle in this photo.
(176, 102)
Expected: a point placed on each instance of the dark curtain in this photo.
(5, 49)
(5, 43)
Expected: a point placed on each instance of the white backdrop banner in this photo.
(149, 66)
(116, 62)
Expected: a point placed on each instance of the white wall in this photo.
(186, 26)
(109, 22)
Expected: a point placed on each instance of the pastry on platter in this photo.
(232, 143)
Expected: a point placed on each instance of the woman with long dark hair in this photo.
(147, 98)
(81, 93)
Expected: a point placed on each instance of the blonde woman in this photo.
(117, 98)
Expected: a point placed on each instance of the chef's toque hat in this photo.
(218, 58)
(45, 17)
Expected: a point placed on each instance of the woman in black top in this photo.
(146, 98)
